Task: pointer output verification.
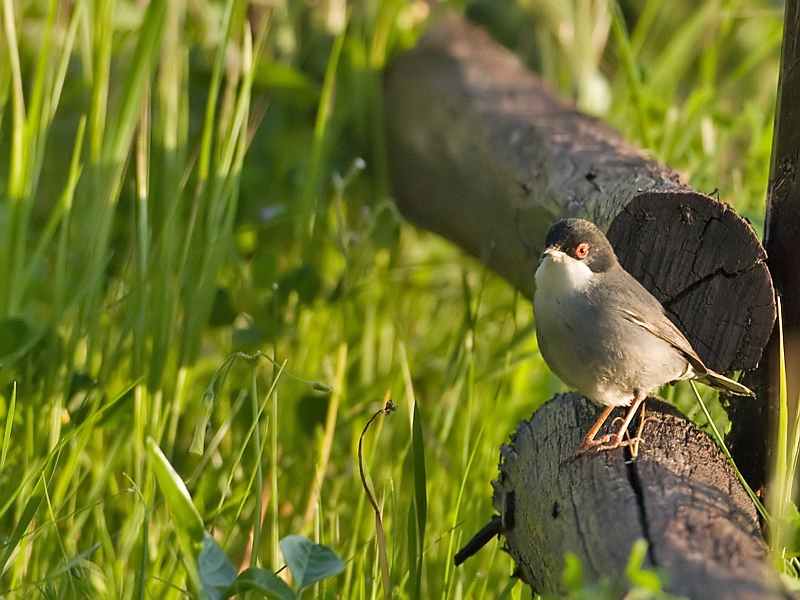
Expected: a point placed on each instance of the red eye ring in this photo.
(582, 250)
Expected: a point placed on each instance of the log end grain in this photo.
(705, 265)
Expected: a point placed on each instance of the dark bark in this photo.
(680, 495)
(782, 240)
(782, 228)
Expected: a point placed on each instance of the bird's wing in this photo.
(632, 293)
(667, 331)
(672, 335)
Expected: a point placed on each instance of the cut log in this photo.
(679, 494)
(481, 152)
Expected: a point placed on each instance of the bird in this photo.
(601, 332)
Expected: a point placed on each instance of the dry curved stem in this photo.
(381, 538)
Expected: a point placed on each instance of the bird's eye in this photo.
(582, 250)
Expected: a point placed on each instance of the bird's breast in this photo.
(560, 275)
(590, 346)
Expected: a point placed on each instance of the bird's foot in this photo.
(593, 443)
(632, 442)
(613, 441)
(606, 442)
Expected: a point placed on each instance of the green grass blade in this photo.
(136, 82)
(420, 504)
(259, 474)
(28, 513)
(780, 496)
(721, 443)
(204, 162)
(11, 411)
(320, 127)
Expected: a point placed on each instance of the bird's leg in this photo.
(635, 441)
(589, 441)
(617, 441)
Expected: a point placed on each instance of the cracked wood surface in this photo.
(680, 495)
(481, 152)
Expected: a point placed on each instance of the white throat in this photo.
(559, 274)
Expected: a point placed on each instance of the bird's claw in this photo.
(632, 442)
(604, 443)
(595, 443)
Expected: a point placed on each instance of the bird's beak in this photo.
(552, 252)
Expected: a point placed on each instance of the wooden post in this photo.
(782, 239)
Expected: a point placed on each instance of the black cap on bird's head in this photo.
(582, 240)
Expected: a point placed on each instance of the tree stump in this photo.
(680, 495)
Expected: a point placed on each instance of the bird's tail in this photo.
(725, 384)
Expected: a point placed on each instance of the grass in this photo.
(185, 182)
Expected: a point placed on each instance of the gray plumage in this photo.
(601, 331)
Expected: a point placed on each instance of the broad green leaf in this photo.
(179, 502)
(187, 521)
(262, 582)
(791, 520)
(309, 562)
(572, 575)
(636, 573)
(216, 571)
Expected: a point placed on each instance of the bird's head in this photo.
(575, 251)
